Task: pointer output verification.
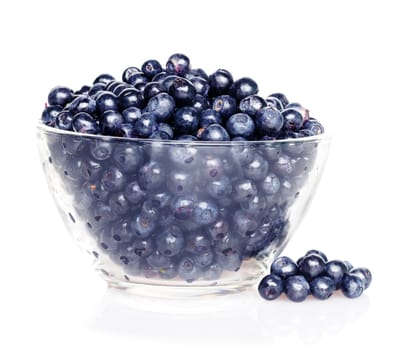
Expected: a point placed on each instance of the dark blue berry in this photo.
(240, 124)
(49, 115)
(131, 114)
(243, 190)
(284, 267)
(244, 223)
(146, 124)
(335, 269)
(274, 102)
(244, 87)
(252, 104)
(84, 123)
(220, 82)
(162, 106)
(183, 207)
(134, 193)
(106, 101)
(113, 180)
(60, 96)
(257, 169)
(229, 252)
(215, 132)
(171, 241)
(111, 122)
(186, 120)
(119, 204)
(201, 85)
(151, 89)
(151, 176)
(280, 96)
(314, 126)
(205, 212)
(297, 288)
(226, 105)
(271, 287)
(143, 225)
(64, 120)
(364, 274)
(128, 72)
(178, 64)
(130, 97)
(220, 188)
(180, 182)
(293, 119)
(209, 116)
(151, 68)
(352, 286)
(312, 266)
(200, 103)
(127, 157)
(317, 252)
(104, 79)
(269, 120)
(188, 269)
(322, 287)
(82, 103)
(182, 91)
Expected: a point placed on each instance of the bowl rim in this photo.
(43, 128)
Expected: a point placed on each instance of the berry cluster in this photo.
(313, 274)
(177, 103)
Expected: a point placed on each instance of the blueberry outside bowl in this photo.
(180, 218)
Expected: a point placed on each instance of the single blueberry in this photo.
(219, 188)
(252, 104)
(271, 287)
(257, 169)
(82, 103)
(130, 97)
(317, 252)
(197, 243)
(215, 132)
(151, 176)
(103, 79)
(188, 269)
(283, 99)
(119, 204)
(364, 274)
(128, 72)
(335, 269)
(183, 207)
(169, 271)
(297, 288)
(162, 106)
(269, 120)
(110, 122)
(201, 85)
(143, 225)
(113, 180)
(244, 189)
(60, 96)
(229, 251)
(178, 64)
(151, 68)
(218, 229)
(205, 212)
(352, 286)
(49, 115)
(293, 119)
(183, 156)
(171, 241)
(127, 157)
(274, 102)
(182, 91)
(180, 182)
(64, 120)
(101, 150)
(255, 205)
(220, 82)
(84, 123)
(283, 267)
(122, 231)
(209, 116)
(244, 87)
(312, 266)
(131, 114)
(244, 223)
(212, 272)
(226, 105)
(314, 125)
(322, 287)
(146, 124)
(240, 124)
(186, 120)
(106, 101)
(200, 103)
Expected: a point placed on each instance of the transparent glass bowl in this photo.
(180, 217)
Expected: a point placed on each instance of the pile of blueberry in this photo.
(178, 209)
(313, 274)
(177, 103)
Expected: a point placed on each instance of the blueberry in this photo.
(314, 126)
(200, 103)
(96, 190)
(257, 169)
(201, 85)
(119, 89)
(64, 120)
(240, 124)
(127, 130)
(284, 267)
(82, 103)
(106, 101)
(244, 223)
(112, 85)
(60, 96)
(183, 207)
(225, 105)
(335, 269)
(160, 77)
(171, 241)
(167, 128)
(103, 214)
(122, 231)
(130, 97)
(196, 73)
(312, 266)
(186, 120)
(322, 287)
(348, 265)
(169, 271)
(205, 212)
(151, 89)
(178, 64)
(111, 122)
(352, 286)
(271, 184)
(131, 114)
(243, 153)
(243, 190)
(317, 252)
(269, 120)
(103, 79)
(274, 102)
(364, 274)
(137, 79)
(128, 72)
(84, 123)
(215, 132)
(162, 106)
(151, 68)
(219, 188)
(197, 243)
(283, 166)
(143, 247)
(252, 104)
(186, 137)
(204, 259)
(212, 272)
(184, 157)
(182, 91)
(244, 87)
(49, 115)
(127, 157)
(101, 150)
(180, 182)
(146, 124)
(209, 116)
(119, 204)
(113, 180)
(188, 269)
(218, 229)
(271, 287)
(143, 225)
(297, 288)
(151, 176)
(229, 252)
(293, 119)
(254, 205)
(220, 82)
(281, 97)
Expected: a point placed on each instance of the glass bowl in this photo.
(180, 217)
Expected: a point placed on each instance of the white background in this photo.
(335, 57)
